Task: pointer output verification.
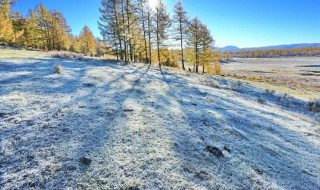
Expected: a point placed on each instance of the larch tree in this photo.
(101, 47)
(206, 45)
(163, 23)
(60, 31)
(44, 21)
(200, 42)
(130, 27)
(6, 28)
(181, 24)
(87, 42)
(18, 23)
(193, 40)
(142, 16)
(110, 26)
(75, 44)
(31, 35)
(150, 16)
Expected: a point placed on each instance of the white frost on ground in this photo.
(148, 129)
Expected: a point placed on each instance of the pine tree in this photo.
(181, 21)
(6, 28)
(87, 42)
(163, 23)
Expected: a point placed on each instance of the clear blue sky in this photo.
(243, 23)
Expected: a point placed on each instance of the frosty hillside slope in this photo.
(149, 130)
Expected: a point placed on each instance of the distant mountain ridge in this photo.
(289, 46)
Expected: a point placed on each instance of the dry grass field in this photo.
(298, 76)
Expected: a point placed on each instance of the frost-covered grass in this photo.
(99, 125)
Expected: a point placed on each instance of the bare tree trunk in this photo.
(181, 41)
(129, 31)
(144, 36)
(118, 31)
(125, 39)
(158, 39)
(197, 57)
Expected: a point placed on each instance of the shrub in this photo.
(213, 83)
(314, 106)
(67, 55)
(235, 86)
(57, 69)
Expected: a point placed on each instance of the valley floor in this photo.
(297, 76)
(100, 125)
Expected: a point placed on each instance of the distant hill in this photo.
(289, 46)
(229, 48)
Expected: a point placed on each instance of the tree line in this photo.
(136, 32)
(131, 29)
(43, 29)
(272, 53)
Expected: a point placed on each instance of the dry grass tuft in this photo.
(270, 92)
(235, 86)
(67, 55)
(213, 84)
(58, 69)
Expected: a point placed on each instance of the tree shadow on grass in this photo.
(46, 149)
(44, 152)
(264, 151)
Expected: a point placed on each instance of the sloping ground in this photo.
(109, 126)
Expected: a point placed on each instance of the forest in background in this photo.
(44, 29)
(271, 53)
